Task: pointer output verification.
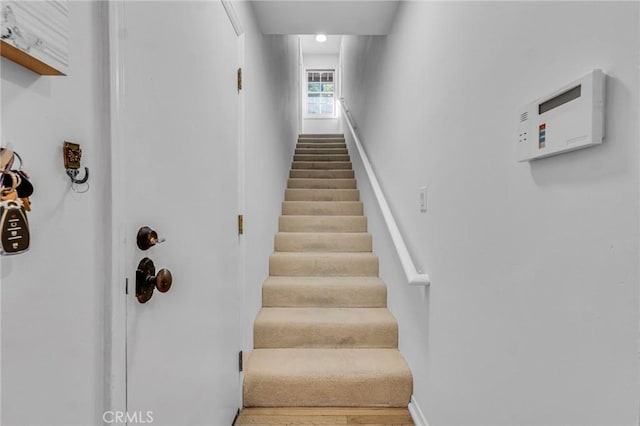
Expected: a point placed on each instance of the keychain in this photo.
(15, 190)
(14, 225)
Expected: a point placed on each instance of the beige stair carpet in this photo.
(324, 336)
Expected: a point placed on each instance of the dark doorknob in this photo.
(147, 280)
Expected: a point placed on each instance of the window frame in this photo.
(308, 115)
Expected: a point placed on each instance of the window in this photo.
(320, 93)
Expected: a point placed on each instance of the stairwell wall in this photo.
(271, 102)
(532, 314)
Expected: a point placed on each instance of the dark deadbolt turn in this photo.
(147, 280)
(147, 238)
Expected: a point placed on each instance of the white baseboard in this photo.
(416, 413)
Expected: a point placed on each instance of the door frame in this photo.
(301, 82)
(115, 345)
(115, 305)
(236, 23)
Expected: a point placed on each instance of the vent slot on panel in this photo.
(524, 117)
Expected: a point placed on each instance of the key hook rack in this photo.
(73, 174)
(72, 153)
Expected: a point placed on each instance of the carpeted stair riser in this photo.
(330, 145)
(327, 292)
(321, 157)
(327, 378)
(321, 174)
(291, 223)
(315, 143)
(325, 328)
(323, 242)
(321, 151)
(306, 194)
(297, 264)
(322, 183)
(323, 165)
(310, 141)
(323, 208)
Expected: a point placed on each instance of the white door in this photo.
(177, 159)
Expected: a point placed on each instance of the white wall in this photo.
(321, 125)
(532, 314)
(52, 296)
(270, 88)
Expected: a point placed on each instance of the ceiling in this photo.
(329, 47)
(358, 17)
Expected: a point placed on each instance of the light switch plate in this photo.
(423, 199)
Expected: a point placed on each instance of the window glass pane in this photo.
(327, 87)
(327, 77)
(314, 87)
(326, 107)
(313, 76)
(326, 104)
(313, 106)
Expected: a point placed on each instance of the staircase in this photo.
(324, 336)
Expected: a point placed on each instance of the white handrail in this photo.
(413, 276)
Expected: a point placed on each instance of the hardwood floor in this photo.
(324, 416)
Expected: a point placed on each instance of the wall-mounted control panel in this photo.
(569, 118)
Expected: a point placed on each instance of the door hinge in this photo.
(239, 79)
(240, 361)
(240, 224)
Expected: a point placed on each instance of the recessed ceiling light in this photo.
(321, 38)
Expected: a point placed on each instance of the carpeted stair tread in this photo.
(324, 241)
(310, 194)
(300, 264)
(321, 157)
(337, 292)
(322, 174)
(307, 223)
(319, 137)
(327, 377)
(323, 208)
(325, 328)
